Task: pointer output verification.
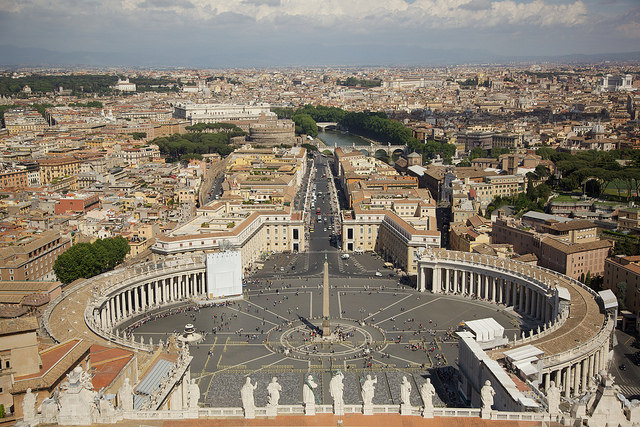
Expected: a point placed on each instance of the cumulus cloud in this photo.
(403, 13)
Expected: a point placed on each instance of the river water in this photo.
(333, 137)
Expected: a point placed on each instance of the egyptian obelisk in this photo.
(326, 327)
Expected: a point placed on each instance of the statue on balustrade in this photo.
(274, 390)
(427, 392)
(486, 394)
(553, 398)
(246, 393)
(336, 389)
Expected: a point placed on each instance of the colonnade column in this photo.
(130, 301)
(576, 378)
(111, 313)
(143, 297)
(585, 369)
(455, 281)
(494, 288)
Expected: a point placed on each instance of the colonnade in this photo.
(154, 292)
(576, 377)
(529, 290)
(527, 298)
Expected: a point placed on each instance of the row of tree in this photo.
(594, 171)
(85, 260)
(80, 84)
(374, 125)
(356, 82)
(180, 147)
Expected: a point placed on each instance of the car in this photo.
(293, 267)
(345, 256)
(325, 229)
(378, 274)
(281, 268)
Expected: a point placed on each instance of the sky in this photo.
(262, 33)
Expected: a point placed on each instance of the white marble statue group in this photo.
(336, 390)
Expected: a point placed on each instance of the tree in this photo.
(85, 260)
(305, 125)
(310, 147)
(621, 293)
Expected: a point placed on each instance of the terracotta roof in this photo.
(576, 224)
(572, 248)
(56, 362)
(107, 363)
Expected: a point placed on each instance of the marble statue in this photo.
(405, 391)
(125, 395)
(368, 389)
(336, 389)
(107, 412)
(405, 397)
(194, 394)
(49, 410)
(309, 396)
(78, 401)
(29, 406)
(274, 390)
(486, 394)
(553, 398)
(427, 391)
(246, 393)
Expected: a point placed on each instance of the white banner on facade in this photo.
(224, 274)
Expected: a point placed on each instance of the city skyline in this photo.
(262, 33)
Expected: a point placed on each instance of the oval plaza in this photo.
(564, 340)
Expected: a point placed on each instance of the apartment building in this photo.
(32, 257)
(13, 178)
(628, 219)
(390, 214)
(465, 236)
(624, 269)
(498, 185)
(571, 248)
(56, 168)
(511, 141)
(19, 121)
(77, 203)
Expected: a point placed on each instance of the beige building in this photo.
(22, 121)
(18, 354)
(571, 248)
(33, 258)
(466, 236)
(498, 185)
(53, 169)
(389, 215)
(624, 269)
(236, 225)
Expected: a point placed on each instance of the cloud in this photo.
(402, 13)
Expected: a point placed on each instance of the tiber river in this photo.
(332, 137)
